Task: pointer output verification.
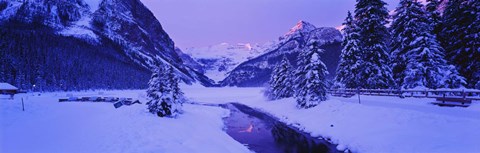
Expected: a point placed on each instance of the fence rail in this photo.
(427, 93)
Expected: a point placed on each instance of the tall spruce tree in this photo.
(349, 66)
(310, 78)
(158, 92)
(461, 40)
(435, 16)
(417, 49)
(280, 84)
(398, 45)
(177, 94)
(473, 45)
(371, 17)
(165, 96)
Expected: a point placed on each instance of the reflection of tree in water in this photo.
(296, 142)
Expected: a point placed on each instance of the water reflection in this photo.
(264, 134)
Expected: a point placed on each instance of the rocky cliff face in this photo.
(52, 13)
(126, 23)
(257, 71)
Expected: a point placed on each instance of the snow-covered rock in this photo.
(257, 71)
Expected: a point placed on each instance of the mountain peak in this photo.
(301, 27)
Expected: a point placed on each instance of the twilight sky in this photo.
(198, 23)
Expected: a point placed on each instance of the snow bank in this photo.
(379, 124)
(7, 86)
(50, 126)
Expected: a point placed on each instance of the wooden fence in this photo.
(427, 93)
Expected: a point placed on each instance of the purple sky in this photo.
(198, 23)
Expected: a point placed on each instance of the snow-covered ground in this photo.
(379, 124)
(47, 126)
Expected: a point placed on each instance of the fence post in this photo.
(444, 94)
(464, 94)
(426, 93)
(23, 106)
(358, 93)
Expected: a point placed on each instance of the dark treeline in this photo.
(34, 58)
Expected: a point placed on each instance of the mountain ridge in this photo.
(217, 60)
(127, 23)
(256, 72)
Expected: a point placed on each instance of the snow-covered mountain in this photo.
(257, 71)
(218, 60)
(128, 24)
(189, 61)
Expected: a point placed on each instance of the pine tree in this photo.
(435, 16)
(177, 95)
(419, 59)
(163, 99)
(398, 44)
(472, 71)
(40, 83)
(280, 84)
(310, 78)
(460, 38)
(351, 56)
(155, 92)
(371, 17)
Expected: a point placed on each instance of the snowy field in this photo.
(48, 126)
(379, 124)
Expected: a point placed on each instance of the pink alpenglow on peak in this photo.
(302, 27)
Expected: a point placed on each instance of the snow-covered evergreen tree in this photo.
(310, 78)
(281, 82)
(177, 95)
(419, 59)
(165, 96)
(434, 15)
(460, 37)
(349, 66)
(371, 17)
(158, 93)
(398, 45)
(472, 70)
(20, 80)
(40, 81)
